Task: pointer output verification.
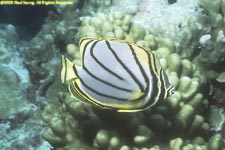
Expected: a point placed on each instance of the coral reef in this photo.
(163, 20)
(185, 111)
(212, 48)
(211, 57)
(19, 119)
(188, 44)
(181, 72)
(116, 24)
(216, 118)
(14, 76)
(28, 69)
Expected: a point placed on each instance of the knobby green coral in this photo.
(180, 120)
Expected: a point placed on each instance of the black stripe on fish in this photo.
(105, 82)
(154, 84)
(125, 67)
(94, 91)
(146, 78)
(75, 89)
(102, 65)
(162, 89)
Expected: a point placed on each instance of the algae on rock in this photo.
(14, 77)
(212, 55)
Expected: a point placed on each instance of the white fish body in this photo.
(116, 74)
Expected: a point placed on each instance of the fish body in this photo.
(116, 74)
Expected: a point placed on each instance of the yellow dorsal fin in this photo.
(67, 72)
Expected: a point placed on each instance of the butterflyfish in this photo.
(116, 74)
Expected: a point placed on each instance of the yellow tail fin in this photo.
(67, 72)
